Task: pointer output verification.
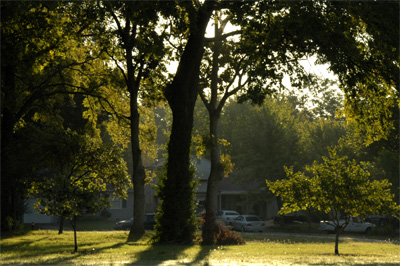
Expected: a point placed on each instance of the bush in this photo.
(223, 236)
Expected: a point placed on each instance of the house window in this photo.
(124, 203)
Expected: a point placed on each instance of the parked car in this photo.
(379, 220)
(124, 224)
(149, 223)
(227, 216)
(355, 225)
(248, 223)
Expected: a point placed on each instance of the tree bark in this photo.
(177, 193)
(75, 239)
(138, 175)
(337, 244)
(210, 228)
(339, 230)
(9, 177)
(61, 227)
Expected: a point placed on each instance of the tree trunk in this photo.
(210, 228)
(176, 220)
(337, 243)
(75, 239)
(8, 158)
(61, 227)
(139, 176)
(339, 230)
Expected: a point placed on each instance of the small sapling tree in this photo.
(75, 182)
(338, 186)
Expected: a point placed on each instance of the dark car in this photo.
(149, 223)
(124, 224)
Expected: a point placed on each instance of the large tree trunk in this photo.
(176, 220)
(8, 158)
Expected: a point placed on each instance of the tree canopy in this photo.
(338, 186)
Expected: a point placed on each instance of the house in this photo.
(232, 195)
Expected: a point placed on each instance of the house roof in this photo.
(228, 185)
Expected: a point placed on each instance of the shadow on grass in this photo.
(6, 235)
(203, 254)
(135, 238)
(158, 254)
(359, 264)
(35, 256)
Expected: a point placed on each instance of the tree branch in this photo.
(204, 99)
(223, 36)
(119, 67)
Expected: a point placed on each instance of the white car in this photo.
(355, 225)
(227, 216)
(248, 223)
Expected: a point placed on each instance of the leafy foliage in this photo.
(167, 230)
(79, 171)
(43, 56)
(336, 186)
(219, 234)
(340, 187)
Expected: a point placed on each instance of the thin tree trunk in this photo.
(139, 176)
(75, 239)
(61, 227)
(210, 228)
(337, 244)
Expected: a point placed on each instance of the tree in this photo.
(79, 170)
(266, 140)
(42, 56)
(139, 53)
(360, 41)
(231, 67)
(176, 221)
(337, 186)
(220, 165)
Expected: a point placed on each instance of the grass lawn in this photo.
(46, 247)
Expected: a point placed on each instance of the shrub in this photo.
(176, 220)
(226, 237)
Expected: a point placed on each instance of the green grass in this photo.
(44, 247)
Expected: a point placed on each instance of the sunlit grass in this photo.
(111, 248)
